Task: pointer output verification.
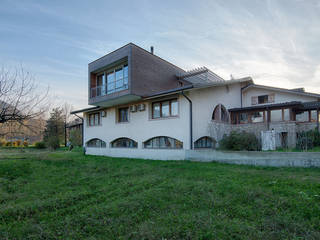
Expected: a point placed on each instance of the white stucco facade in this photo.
(142, 127)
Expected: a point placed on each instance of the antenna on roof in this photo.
(151, 50)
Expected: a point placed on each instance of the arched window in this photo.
(163, 142)
(96, 142)
(124, 143)
(205, 142)
(220, 114)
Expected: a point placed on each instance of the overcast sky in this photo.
(275, 42)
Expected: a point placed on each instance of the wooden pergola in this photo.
(294, 108)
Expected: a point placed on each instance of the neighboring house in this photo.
(147, 107)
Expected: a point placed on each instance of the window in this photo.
(100, 84)
(165, 109)
(124, 143)
(94, 119)
(313, 115)
(98, 143)
(276, 115)
(302, 116)
(123, 114)
(117, 79)
(220, 114)
(205, 142)
(163, 142)
(257, 117)
(243, 118)
(263, 99)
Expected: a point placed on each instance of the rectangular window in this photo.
(117, 79)
(302, 116)
(276, 115)
(313, 115)
(257, 117)
(286, 114)
(94, 119)
(263, 99)
(168, 108)
(243, 118)
(123, 114)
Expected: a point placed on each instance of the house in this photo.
(146, 107)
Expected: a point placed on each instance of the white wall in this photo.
(141, 127)
(204, 102)
(280, 97)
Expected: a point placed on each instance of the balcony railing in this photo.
(98, 91)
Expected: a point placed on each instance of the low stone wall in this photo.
(274, 159)
(271, 159)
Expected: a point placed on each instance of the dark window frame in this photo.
(101, 143)
(94, 119)
(262, 99)
(207, 140)
(170, 108)
(166, 139)
(130, 143)
(119, 120)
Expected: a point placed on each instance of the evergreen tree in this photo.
(54, 132)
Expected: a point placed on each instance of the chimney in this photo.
(151, 50)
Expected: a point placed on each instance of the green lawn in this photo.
(65, 195)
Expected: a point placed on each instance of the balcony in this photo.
(98, 91)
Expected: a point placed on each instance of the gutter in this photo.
(190, 127)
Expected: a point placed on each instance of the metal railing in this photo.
(97, 91)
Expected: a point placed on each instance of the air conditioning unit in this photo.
(133, 108)
(103, 113)
(141, 107)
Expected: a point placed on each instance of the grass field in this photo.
(65, 195)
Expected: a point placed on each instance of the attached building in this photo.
(146, 107)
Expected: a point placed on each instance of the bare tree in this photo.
(21, 98)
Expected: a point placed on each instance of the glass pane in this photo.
(286, 115)
(302, 117)
(162, 142)
(174, 108)
(96, 119)
(125, 71)
(125, 81)
(119, 74)
(165, 109)
(111, 87)
(276, 115)
(243, 118)
(119, 83)
(257, 117)
(91, 120)
(156, 110)
(110, 77)
(100, 80)
(313, 115)
(148, 144)
(123, 115)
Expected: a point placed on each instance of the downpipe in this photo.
(190, 127)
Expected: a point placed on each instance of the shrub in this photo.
(53, 142)
(308, 139)
(25, 144)
(2, 142)
(75, 137)
(8, 144)
(239, 141)
(40, 145)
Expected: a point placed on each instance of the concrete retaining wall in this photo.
(272, 159)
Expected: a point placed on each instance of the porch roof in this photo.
(267, 106)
